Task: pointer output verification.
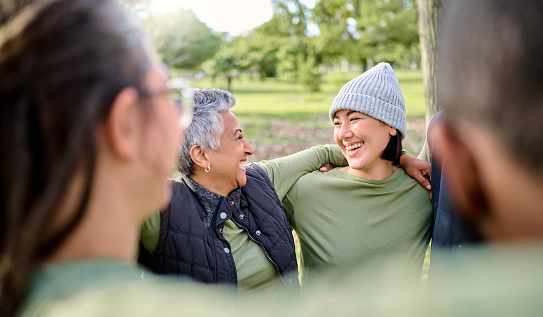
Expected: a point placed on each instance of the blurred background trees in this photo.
(300, 44)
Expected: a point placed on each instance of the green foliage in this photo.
(351, 33)
(137, 6)
(181, 39)
(389, 31)
(310, 76)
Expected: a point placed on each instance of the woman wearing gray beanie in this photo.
(370, 211)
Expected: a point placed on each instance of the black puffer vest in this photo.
(186, 247)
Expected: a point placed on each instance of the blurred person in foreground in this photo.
(88, 136)
(450, 231)
(490, 86)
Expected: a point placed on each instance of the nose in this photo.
(345, 131)
(248, 148)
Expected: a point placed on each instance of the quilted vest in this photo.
(188, 248)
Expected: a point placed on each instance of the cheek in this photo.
(165, 140)
(336, 137)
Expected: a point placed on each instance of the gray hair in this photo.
(207, 125)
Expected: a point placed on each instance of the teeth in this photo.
(354, 146)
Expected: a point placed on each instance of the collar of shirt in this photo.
(209, 199)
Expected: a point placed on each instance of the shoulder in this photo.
(152, 294)
(401, 176)
(254, 170)
(181, 196)
(256, 176)
(410, 188)
(179, 187)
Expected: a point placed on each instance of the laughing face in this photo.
(227, 163)
(362, 140)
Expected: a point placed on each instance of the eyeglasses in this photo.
(181, 95)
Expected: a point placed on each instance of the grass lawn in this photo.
(276, 98)
(280, 118)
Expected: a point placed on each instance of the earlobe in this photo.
(461, 171)
(122, 124)
(392, 131)
(198, 156)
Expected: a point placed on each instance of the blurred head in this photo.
(76, 78)
(374, 95)
(214, 148)
(490, 88)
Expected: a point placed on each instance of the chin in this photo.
(242, 181)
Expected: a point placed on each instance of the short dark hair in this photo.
(489, 73)
(393, 151)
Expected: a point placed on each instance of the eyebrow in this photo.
(238, 130)
(348, 113)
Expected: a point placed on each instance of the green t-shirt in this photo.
(110, 287)
(344, 220)
(258, 278)
(474, 282)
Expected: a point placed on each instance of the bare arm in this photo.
(417, 169)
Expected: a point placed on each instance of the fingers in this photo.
(427, 172)
(326, 168)
(423, 181)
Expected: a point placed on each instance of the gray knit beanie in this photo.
(375, 93)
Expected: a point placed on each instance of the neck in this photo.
(108, 230)
(203, 179)
(112, 220)
(376, 171)
(90, 241)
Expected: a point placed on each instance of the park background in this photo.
(286, 70)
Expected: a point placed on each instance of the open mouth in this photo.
(351, 149)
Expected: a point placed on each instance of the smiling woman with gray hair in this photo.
(225, 223)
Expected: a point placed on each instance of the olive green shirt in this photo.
(343, 220)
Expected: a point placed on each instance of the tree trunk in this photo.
(229, 80)
(429, 19)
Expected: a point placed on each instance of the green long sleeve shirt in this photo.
(344, 220)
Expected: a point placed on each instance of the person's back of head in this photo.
(490, 86)
(62, 63)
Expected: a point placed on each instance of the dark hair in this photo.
(393, 151)
(62, 64)
(490, 70)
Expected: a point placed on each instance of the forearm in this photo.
(285, 171)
